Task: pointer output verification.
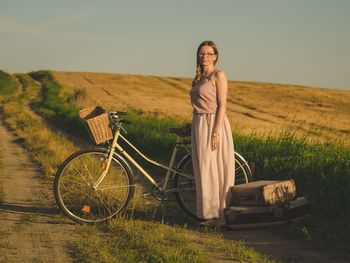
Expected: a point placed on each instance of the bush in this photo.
(55, 108)
(7, 83)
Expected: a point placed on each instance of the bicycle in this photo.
(96, 184)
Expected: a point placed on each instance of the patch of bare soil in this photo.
(30, 228)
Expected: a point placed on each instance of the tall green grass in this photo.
(321, 171)
(7, 83)
(54, 106)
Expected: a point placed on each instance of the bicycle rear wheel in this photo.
(186, 187)
(74, 192)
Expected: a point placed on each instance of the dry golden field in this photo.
(252, 106)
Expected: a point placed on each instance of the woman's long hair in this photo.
(199, 69)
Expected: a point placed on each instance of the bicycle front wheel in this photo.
(76, 194)
(185, 186)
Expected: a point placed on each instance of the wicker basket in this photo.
(96, 119)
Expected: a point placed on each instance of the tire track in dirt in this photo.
(32, 230)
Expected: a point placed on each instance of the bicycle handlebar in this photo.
(116, 119)
(117, 113)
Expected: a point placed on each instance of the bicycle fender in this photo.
(182, 160)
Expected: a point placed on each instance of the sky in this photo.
(303, 42)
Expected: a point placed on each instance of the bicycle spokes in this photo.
(77, 194)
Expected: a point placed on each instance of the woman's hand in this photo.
(214, 142)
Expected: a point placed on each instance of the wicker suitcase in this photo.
(262, 193)
(258, 216)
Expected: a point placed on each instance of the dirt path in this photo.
(30, 228)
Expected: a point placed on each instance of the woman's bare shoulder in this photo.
(220, 74)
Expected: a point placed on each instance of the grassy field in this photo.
(149, 238)
(7, 84)
(262, 108)
(321, 169)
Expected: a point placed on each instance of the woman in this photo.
(212, 145)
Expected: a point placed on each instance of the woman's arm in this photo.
(221, 94)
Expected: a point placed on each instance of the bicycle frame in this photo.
(170, 170)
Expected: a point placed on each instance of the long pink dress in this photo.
(213, 170)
